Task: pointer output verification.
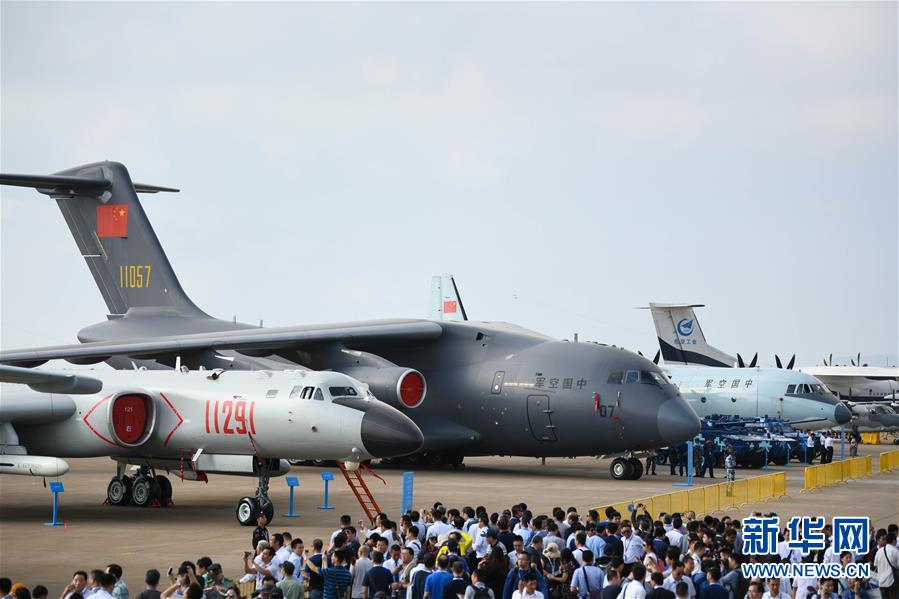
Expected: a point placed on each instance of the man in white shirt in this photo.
(527, 588)
(263, 565)
(634, 587)
(633, 545)
(281, 552)
(107, 583)
(774, 591)
(676, 576)
(675, 535)
(886, 561)
(784, 551)
(297, 557)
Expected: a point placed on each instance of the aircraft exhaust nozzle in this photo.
(387, 433)
(32, 465)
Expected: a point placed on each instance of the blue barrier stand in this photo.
(842, 442)
(689, 482)
(408, 481)
(804, 452)
(765, 444)
(788, 452)
(56, 487)
(327, 477)
(292, 482)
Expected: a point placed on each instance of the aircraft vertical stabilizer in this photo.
(445, 302)
(681, 339)
(99, 203)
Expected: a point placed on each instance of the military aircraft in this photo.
(494, 388)
(741, 390)
(873, 417)
(194, 423)
(682, 341)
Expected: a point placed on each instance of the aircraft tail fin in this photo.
(99, 203)
(681, 339)
(445, 302)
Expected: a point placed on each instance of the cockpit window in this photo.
(343, 392)
(791, 388)
(632, 376)
(615, 377)
(647, 377)
(318, 395)
(819, 389)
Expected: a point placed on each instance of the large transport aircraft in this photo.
(192, 423)
(748, 391)
(493, 388)
(744, 392)
(682, 342)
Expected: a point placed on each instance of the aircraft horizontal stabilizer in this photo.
(60, 184)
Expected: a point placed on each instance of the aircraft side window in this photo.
(632, 376)
(318, 395)
(805, 389)
(615, 377)
(791, 388)
(307, 392)
(295, 392)
(271, 394)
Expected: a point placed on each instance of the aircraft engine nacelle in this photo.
(129, 418)
(400, 387)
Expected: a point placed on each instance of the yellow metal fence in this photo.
(711, 498)
(837, 472)
(889, 460)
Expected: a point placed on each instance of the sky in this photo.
(566, 162)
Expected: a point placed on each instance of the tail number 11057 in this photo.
(230, 417)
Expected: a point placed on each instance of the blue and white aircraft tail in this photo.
(445, 302)
(681, 338)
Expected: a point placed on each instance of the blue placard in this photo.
(292, 481)
(408, 481)
(327, 476)
(56, 487)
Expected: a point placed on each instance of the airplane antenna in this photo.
(260, 323)
(178, 362)
(575, 337)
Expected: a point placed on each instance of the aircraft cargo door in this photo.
(540, 418)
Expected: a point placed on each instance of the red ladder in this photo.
(360, 490)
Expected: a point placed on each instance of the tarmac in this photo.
(201, 522)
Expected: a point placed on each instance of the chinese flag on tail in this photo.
(112, 220)
(449, 307)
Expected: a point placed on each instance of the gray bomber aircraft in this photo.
(193, 423)
(493, 388)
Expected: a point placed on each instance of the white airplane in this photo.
(192, 423)
(858, 382)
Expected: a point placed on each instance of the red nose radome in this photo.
(412, 389)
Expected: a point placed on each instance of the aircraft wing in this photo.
(353, 335)
(846, 374)
(50, 382)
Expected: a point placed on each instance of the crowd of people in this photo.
(443, 553)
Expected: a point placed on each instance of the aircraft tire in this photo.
(142, 491)
(165, 489)
(637, 469)
(619, 469)
(247, 511)
(118, 491)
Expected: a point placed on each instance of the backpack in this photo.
(481, 593)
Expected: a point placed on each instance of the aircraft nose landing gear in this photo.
(249, 508)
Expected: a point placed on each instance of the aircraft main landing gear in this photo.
(626, 468)
(144, 489)
(249, 508)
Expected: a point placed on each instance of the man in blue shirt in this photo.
(436, 582)
(378, 578)
(336, 574)
(714, 590)
(595, 542)
(523, 567)
(588, 579)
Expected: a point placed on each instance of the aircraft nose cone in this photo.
(388, 433)
(677, 421)
(841, 414)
